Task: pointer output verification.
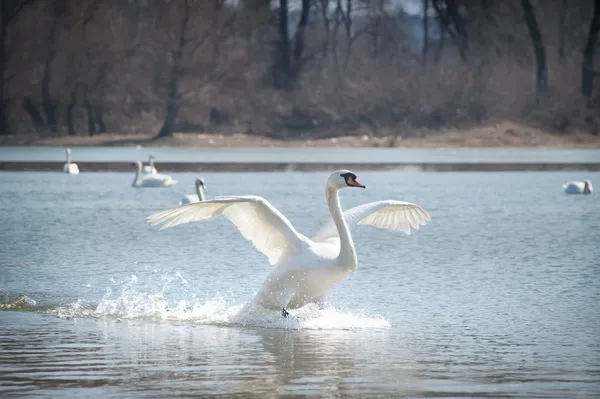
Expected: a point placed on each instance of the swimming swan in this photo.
(152, 180)
(150, 169)
(578, 187)
(70, 167)
(199, 196)
(305, 270)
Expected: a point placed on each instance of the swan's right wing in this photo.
(387, 214)
(257, 220)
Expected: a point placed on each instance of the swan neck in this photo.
(200, 192)
(347, 256)
(137, 174)
(68, 158)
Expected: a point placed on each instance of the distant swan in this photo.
(151, 180)
(70, 167)
(305, 270)
(199, 196)
(150, 169)
(578, 187)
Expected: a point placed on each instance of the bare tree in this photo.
(9, 10)
(538, 47)
(425, 31)
(587, 70)
(287, 68)
(561, 30)
(175, 75)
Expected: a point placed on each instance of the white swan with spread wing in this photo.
(305, 270)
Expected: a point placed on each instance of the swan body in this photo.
(70, 167)
(193, 198)
(150, 169)
(304, 269)
(151, 180)
(578, 187)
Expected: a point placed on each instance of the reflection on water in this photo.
(496, 297)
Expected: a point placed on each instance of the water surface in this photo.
(309, 155)
(496, 297)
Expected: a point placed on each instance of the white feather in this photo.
(386, 214)
(258, 221)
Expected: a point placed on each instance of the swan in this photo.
(150, 169)
(305, 269)
(150, 180)
(578, 187)
(199, 196)
(70, 168)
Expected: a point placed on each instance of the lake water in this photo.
(309, 155)
(498, 296)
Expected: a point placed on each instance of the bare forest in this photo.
(291, 68)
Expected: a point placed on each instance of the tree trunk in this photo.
(91, 118)
(283, 65)
(425, 32)
(34, 112)
(174, 96)
(460, 26)
(99, 113)
(587, 70)
(538, 48)
(327, 25)
(5, 19)
(47, 103)
(300, 32)
(168, 126)
(442, 17)
(4, 125)
(69, 111)
(561, 31)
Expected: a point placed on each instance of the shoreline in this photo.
(84, 167)
(501, 135)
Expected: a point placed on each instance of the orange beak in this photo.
(355, 183)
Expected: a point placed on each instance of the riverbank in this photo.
(311, 166)
(506, 134)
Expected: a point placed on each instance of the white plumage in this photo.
(193, 198)
(305, 269)
(150, 180)
(578, 187)
(150, 169)
(70, 167)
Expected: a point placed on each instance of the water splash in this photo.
(174, 299)
(18, 302)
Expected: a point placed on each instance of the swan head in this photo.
(200, 182)
(343, 178)
(68, 151)
(151, 156)
(137, 164)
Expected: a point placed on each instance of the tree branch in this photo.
(18, 10)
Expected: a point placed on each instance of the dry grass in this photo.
(506, 134)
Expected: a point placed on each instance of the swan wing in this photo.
(260, 222)
(386, 214)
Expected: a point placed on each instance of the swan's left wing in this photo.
(387, 214)
(257, 220)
